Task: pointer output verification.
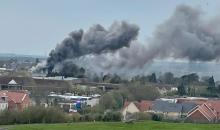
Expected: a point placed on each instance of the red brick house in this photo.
(204, 113)
(216, 106)
(17, 100)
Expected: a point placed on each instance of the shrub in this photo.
(157, 117)
(144, 116)
(34, 115)
(75, 117)
(112, 116)
(97, 117)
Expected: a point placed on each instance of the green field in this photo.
(149, 125)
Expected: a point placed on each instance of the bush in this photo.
(34, 115)
(157, 117)
(97, 117)
(9, 117)
(75, 117)
(144, 116)
(54, 115)
(112, 116)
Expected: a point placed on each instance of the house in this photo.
(168, 110)
(202, 114)
(11, 85)
(135, 107)
(17, 100)
(215, 104)
(187, 107)
(3, 102)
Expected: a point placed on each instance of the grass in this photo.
(148, 125)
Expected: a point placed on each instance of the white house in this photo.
(129, 108)
(3, 103)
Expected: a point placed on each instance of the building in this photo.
(215, 104)
(172, 110)
(186, 108)
(135, 107)
(17, 100)
(168, 110)
(202, 114)
(3, 102)
(11, 85)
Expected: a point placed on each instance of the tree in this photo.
(142, 91)
(112, 100)
(153, 78)
(96, 78)
(115, 79)
(181, 89)
(106, 78)
(81, 72)
(211, 83)
(167, 78)
(190, 79)
(191, 91)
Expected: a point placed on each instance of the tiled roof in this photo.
(215, 104)
(144, 105)
(206, 110)
(126, 103)
(15, 96)
(164, 106)
(188, 106)
(196, 101)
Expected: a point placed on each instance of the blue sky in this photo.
(36, 26)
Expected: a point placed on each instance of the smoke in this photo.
(95, 41)
(39, 67)
(187, 34)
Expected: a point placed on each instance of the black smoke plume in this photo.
(187, 34)
(95, 41)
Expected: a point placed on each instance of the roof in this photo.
(144, 105)
(215, 104)
(188, 106)
(164, 106)
(12, 82)
(206, 111)
(26, 81)
(44, 85)
(196, 100)
(15, 96)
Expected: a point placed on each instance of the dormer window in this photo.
(3, 98)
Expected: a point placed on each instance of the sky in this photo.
(34, 27)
